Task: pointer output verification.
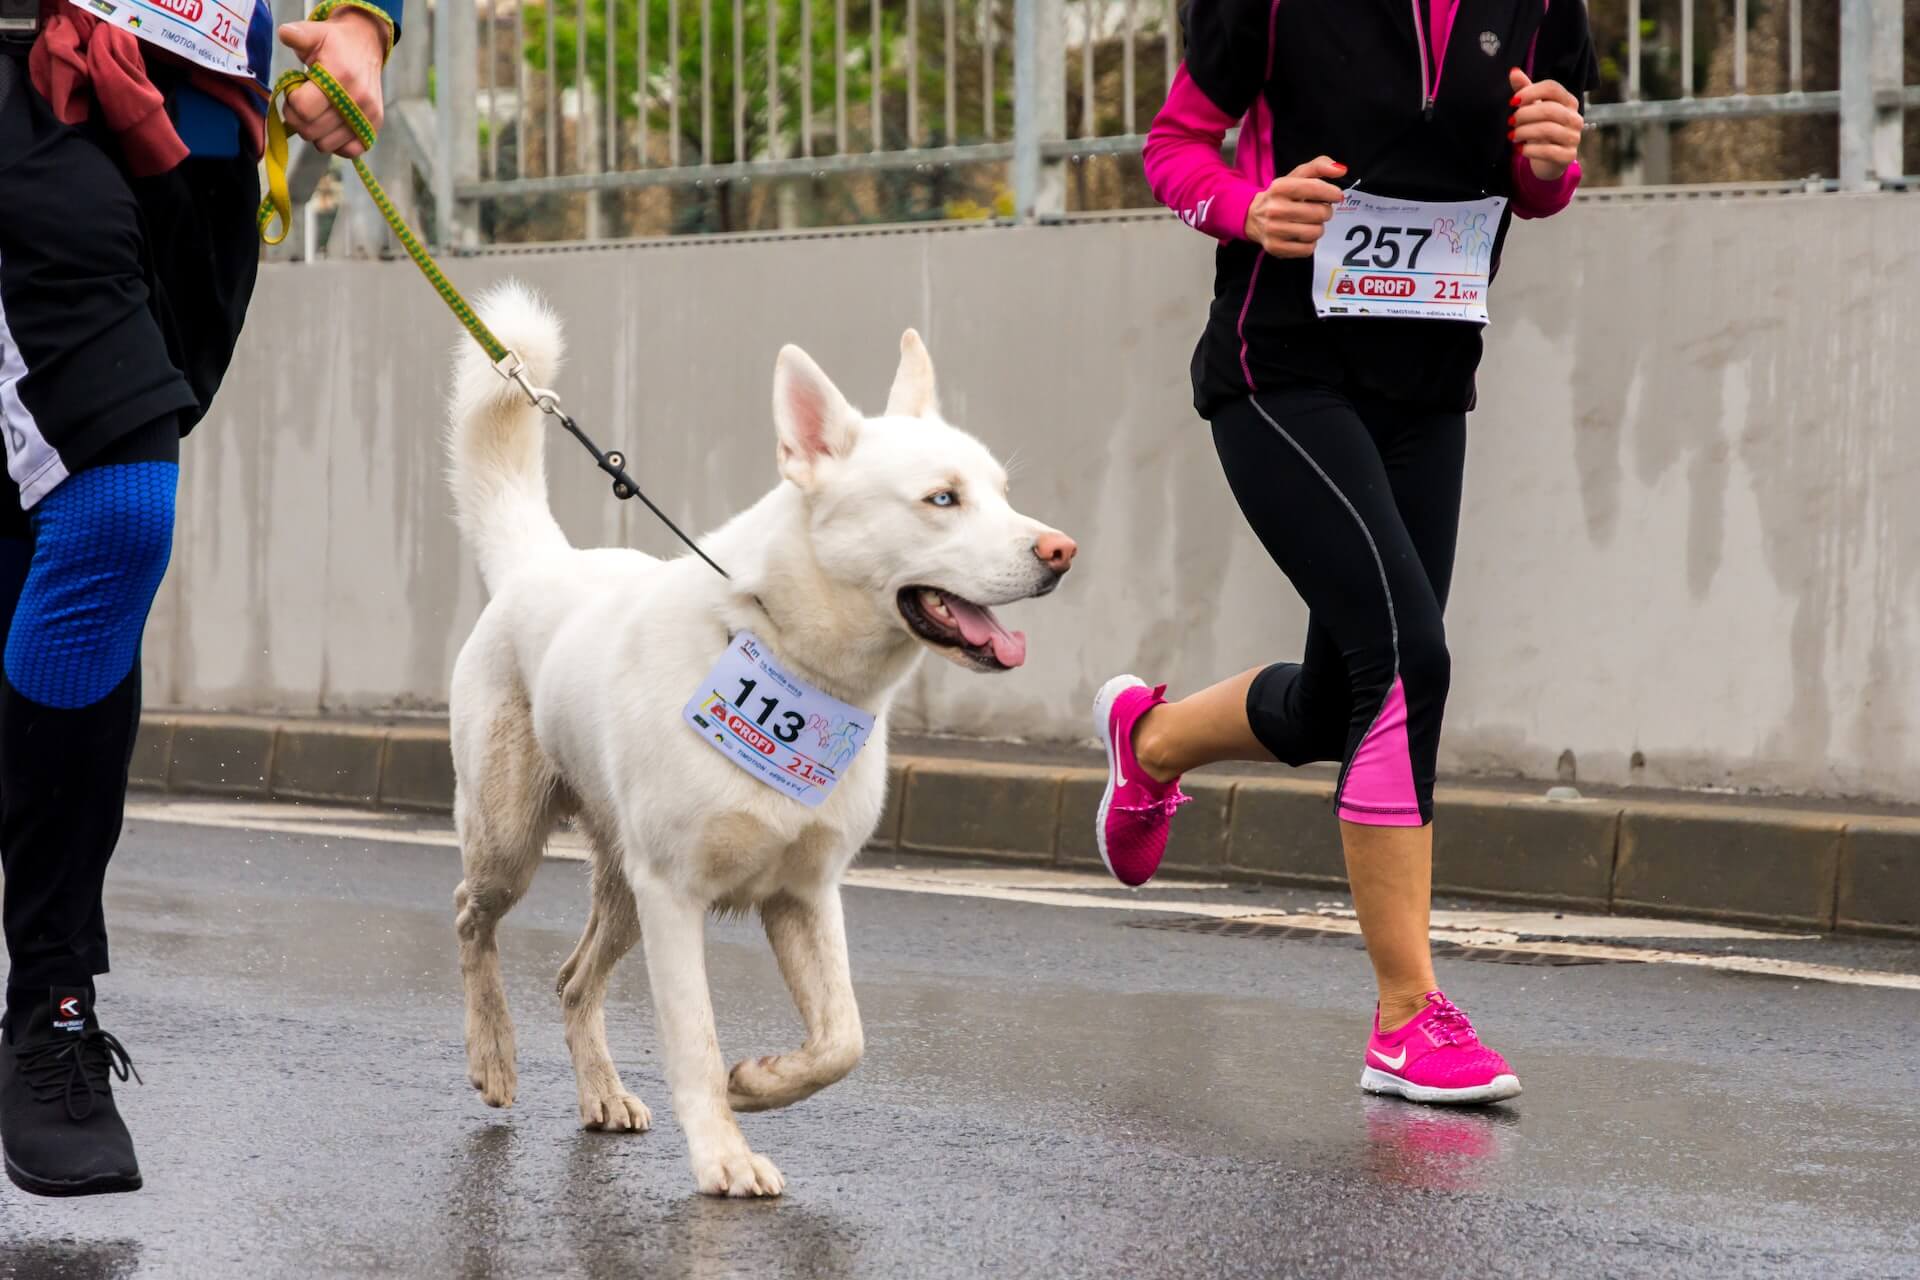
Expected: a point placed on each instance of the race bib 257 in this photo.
(1419, 260)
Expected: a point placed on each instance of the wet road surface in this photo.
(1049, 1090)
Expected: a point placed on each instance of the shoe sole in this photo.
(1499, 1089)
(101, 1186)
(1103, 720)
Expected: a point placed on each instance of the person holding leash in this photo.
(129, 142)
(1384, 147)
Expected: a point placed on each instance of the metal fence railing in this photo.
(583, 103)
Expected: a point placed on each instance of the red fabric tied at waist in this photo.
(80, 63)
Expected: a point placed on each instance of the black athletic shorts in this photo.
(121, 298)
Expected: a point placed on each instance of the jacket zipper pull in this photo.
(1429, 81)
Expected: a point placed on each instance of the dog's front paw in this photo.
(618, 1112)
(490, 1069)
(758, 1084)
(737, 1173)
(782, 1079)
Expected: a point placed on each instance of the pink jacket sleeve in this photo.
(1533, 198)
(1186, 170)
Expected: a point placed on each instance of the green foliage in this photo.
(670, 49)
(968, 209)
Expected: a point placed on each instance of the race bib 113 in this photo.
(775, 725)
(1419, 260)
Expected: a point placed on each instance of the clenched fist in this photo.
(1545, 125)
(352, 45)
(1288, 218)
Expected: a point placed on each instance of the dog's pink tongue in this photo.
(979, 627)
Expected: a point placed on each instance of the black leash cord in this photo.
(510, 367)
(624, 487)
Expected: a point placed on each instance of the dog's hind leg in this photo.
(505, 805)
(571, 965)
(613, 926)
(809, 937)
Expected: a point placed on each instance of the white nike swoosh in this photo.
(1393, 1064)
(1119, 775)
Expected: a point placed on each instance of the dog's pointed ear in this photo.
(912, 395)
(812, 419)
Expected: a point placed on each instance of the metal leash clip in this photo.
(514, 370)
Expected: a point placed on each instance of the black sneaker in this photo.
(62, 1134)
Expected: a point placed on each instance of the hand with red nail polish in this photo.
(1289, 217)
(1547, 125)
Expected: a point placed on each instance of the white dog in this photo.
(580, 695)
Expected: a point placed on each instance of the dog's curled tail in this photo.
(496, 440)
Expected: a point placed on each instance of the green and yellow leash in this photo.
(277, 206)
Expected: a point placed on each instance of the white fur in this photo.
(566, 703)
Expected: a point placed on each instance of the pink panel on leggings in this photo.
(1379, 790)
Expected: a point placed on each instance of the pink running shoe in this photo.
(1136, 812)
(1436, 1058)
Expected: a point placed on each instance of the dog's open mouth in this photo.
(951, 622)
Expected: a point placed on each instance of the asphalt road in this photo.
(1050, 1090)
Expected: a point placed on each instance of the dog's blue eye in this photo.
(945, 498)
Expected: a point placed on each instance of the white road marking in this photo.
(1043, 878)
(1534, 931)
(1552, 924)
(319, 820)
(1505, 924)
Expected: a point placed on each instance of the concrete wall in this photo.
(1691, 546)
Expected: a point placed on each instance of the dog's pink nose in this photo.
(1056, 550)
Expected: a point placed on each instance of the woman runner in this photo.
(1337, 370)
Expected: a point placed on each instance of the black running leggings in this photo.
(1358, 502)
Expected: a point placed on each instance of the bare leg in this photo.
(1207, 728)
(809, 938)
(1390, 870)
